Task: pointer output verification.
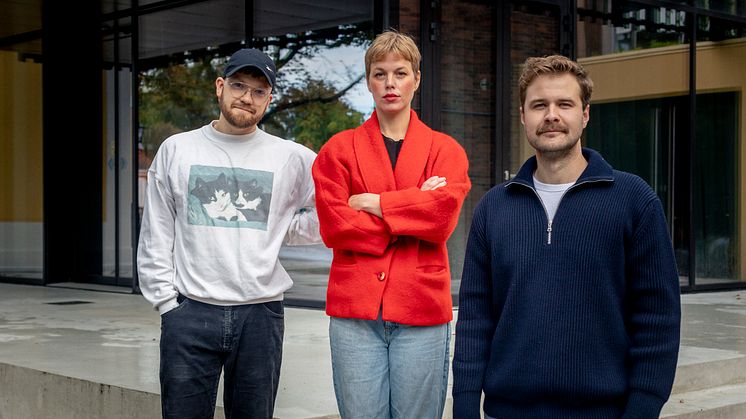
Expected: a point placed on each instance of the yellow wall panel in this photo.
(20, 139)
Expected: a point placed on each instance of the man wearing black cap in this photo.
(220, 201)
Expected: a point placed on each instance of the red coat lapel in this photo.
(374, 162)
(372, 157)
(414, 153)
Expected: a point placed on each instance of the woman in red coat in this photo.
(388, 196)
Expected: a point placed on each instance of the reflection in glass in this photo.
(534, 31)
(606, 27)
(21, 215)
(320, 91)
(730, 7)
(117, 179)
(467, 111)
(638, 136)
(718, 204)
(320, 88)
(715, 187)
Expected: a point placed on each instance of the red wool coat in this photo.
(399, 262)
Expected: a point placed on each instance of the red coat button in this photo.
(381, 276)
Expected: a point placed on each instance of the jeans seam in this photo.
(227, 312)
(446, 366)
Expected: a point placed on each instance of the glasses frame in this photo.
(238, 93)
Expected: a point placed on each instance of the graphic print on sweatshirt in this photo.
(229, 197)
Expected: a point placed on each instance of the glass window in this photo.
(730, 7)
(638, 58)
(21, 187)
(640, 136)
(607, 27)
(715, 188)
(118, 164)
(534, 31)
(718, 202)
(321, 90)
(641, 120)
(467, 103)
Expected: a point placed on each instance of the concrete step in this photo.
(709, 384)
(702, 368)
(723, 402)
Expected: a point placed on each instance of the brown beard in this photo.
(240, 118)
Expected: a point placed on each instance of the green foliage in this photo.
(313, 123)
(180, 96)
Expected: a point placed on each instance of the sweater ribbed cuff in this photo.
(466, 405)
(643, 405)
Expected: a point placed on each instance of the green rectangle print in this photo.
(229, 197)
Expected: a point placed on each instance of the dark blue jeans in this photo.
(199, 340)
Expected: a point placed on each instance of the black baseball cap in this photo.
(251, 57)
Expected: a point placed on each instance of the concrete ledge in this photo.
(725, 402)
(33, 394)
(729, 369)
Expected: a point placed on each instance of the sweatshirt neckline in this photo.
(223, 138)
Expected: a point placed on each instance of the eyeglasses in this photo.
(238, 89)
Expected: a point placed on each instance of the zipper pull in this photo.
(549, 232)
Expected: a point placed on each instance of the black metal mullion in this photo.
(429, 40)
(385, 15)
(116, 151)
(134, 133)
(248, 10)
(503, 101)
(692, 260)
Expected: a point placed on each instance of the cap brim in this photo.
(264, 71)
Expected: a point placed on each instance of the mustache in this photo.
(551, 127)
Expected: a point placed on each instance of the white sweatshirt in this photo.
(218, 207)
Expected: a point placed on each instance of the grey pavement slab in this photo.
(112, 338)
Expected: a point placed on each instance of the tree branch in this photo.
(320, 99)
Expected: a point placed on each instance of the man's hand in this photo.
(368, 202)
(433, 183)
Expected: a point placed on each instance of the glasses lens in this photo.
(239, 89)
(259, 93)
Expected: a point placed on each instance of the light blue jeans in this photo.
(385, 370)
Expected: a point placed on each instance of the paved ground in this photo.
(112, 338)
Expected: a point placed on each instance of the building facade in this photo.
(87, 97)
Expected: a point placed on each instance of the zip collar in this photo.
(598, 170)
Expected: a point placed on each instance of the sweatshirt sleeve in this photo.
(655, 317)
(430, 215)
(342, 227)
(475, 324)
(155, 261)
(304, 226)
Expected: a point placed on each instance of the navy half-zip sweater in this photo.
(575, 319)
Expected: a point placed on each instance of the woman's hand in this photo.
(368, 202)
(433, 183)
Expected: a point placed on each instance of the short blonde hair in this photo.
(555, 65)
(392, 42)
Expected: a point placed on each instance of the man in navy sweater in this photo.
(569, 304)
